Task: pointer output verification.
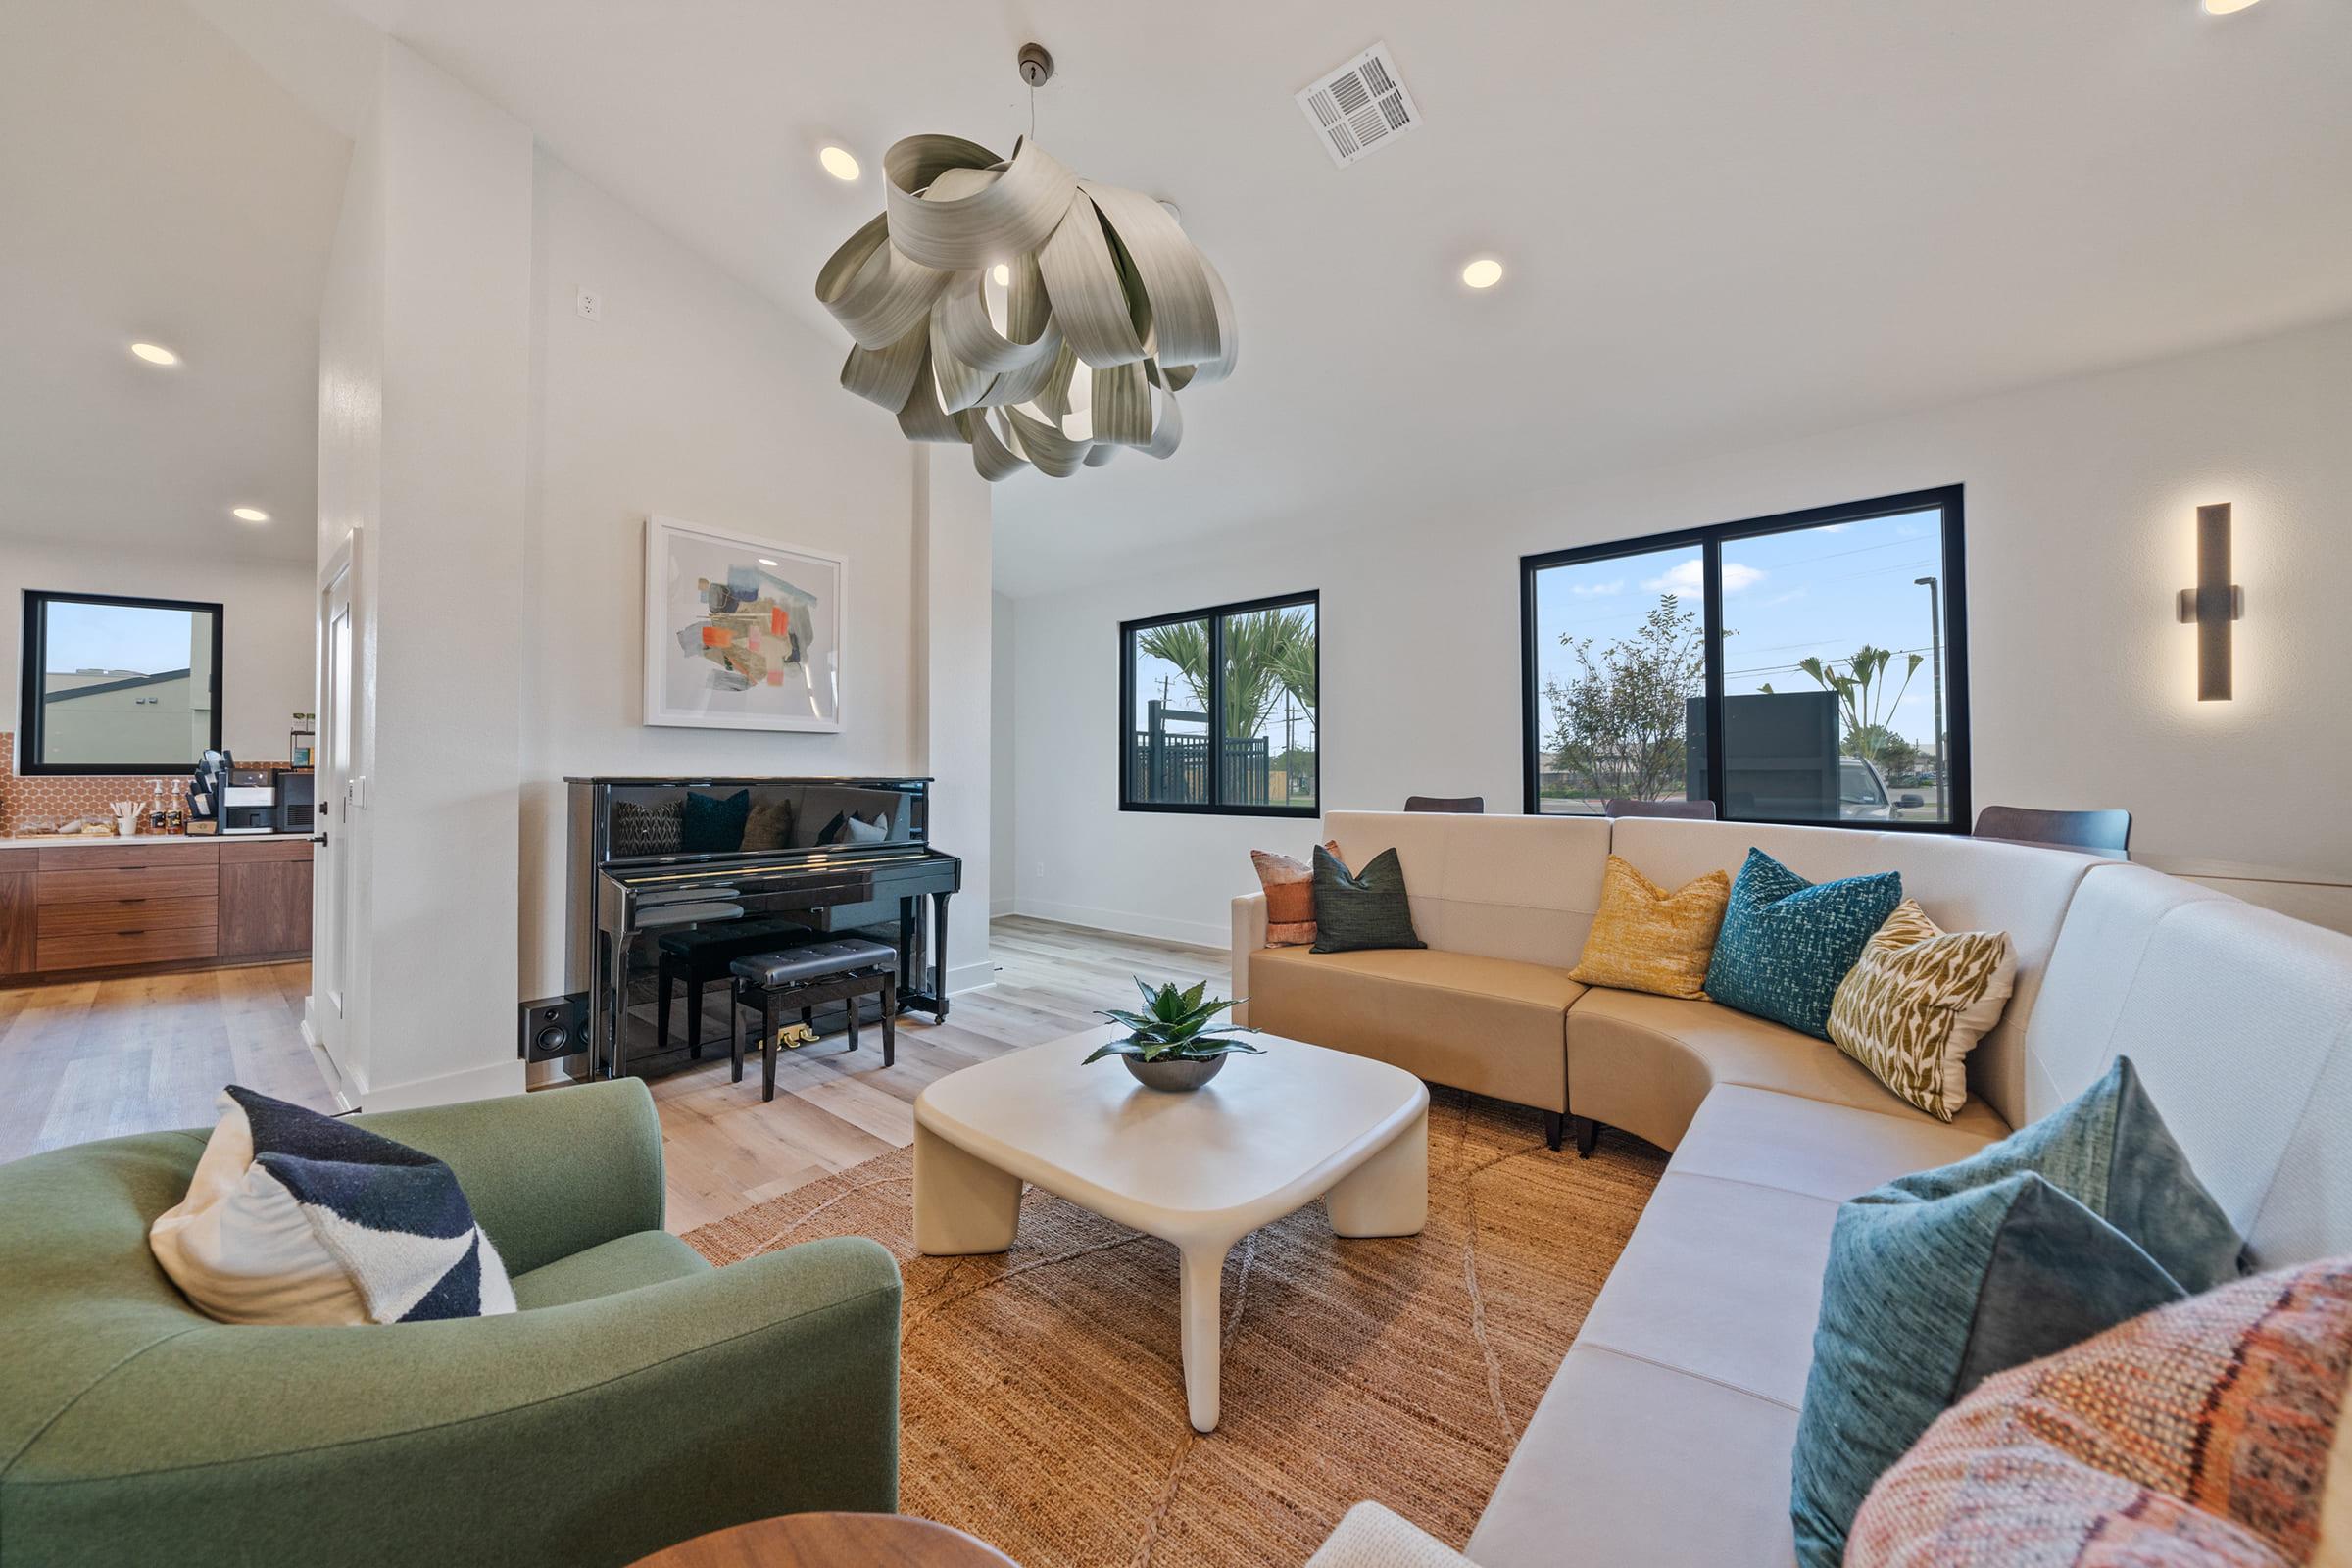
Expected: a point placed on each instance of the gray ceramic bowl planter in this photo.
(1171, 1046)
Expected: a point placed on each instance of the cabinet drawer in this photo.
(105, 919)
(20, 857)
(236, 851)
(163, 852)
(163, 945)
(149, 882)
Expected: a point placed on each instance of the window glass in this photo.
(1169, 744)
(1834, 699)
(1619, 666)
(123, 687)
(1269, 664)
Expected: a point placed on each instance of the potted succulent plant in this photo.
(1172, 1044)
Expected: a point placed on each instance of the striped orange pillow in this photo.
(1647, 938)
(1290, 897)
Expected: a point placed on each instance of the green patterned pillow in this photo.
(1362, 909)
(1943, 1278)
(1917, 1004)
(1786, 943)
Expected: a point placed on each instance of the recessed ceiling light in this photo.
(765, 562)
(1485, 273)
(1002, 275)
(2222, 8)
(839, 162)
(249, 513)
(154, 354)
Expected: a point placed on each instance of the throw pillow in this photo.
(859, 830)
(769, 824)
(2198, 1434)
(1917, 1004)
(297, 1218)
(1289, 887)
(647, 829)
(1361, 909)
(1940, 1279)
(1786, 943)
(714, 824)
(1647, 938)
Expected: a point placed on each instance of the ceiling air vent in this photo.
(1360, 108)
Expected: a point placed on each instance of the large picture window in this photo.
(117, 685)
(1217, 709)
(1804, 669)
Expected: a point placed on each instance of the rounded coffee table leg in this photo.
(1387, 1194)
(961, 1203)
(1203, 1331)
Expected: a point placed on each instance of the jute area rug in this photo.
(1042, 1397)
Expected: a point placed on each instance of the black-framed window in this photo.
(1218, 709)
(111, 684)
(1808, 668)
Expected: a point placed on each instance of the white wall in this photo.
(1001, 753)
(696, 398)
(423, 408)
(951, 516)
(265, 608)
(2080, 512)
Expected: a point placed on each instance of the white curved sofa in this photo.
(1665, 1437)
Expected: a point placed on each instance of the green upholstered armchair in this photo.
(639, 1397)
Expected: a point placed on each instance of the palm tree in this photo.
(1267, 652)
(1862, 701)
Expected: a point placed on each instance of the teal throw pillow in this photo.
(1361, 909)
(1940, 1279)
(1785, 941)
(713, 824)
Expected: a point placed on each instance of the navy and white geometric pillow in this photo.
(295, 1217)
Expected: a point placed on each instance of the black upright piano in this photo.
(833, 856)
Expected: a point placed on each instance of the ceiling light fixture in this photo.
(2222, 8)
(154, 354)
(840, 163)
(249, 513)
(1002, 275)
(909, 287)
(765, 562)
(1484, 273)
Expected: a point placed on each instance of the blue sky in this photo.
(117, 637)
(1822, 591)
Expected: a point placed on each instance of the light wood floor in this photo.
(98, 1058)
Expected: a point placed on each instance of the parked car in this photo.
(1862, 795)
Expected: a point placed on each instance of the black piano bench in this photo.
(700, 955)
(803, 976)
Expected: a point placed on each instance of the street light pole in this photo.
(1944, 793)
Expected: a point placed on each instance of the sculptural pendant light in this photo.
(1038, 318)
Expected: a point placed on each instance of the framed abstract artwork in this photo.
(741, 633)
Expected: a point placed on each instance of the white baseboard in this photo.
(963, 977)
(475, 1083)
(1193, 933)
(337, 1085)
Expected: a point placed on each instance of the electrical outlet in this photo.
(592, 305)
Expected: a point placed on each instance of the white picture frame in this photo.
(766, 652)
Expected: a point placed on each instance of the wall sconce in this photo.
(2213, 604)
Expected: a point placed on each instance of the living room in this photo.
(1718, 864)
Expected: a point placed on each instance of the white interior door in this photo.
(330, 906)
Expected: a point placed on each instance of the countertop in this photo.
(76, 841)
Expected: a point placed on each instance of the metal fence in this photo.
(1173, 770)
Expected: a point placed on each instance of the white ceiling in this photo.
(157, 185)
(1724, 223)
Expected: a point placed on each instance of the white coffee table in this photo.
(1272, 1133)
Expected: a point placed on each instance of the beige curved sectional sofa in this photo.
(1665, 1438)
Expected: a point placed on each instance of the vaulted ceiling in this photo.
(1722, 224)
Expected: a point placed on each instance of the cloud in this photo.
(1591, 589)
(1685, 581)
(1781, 599)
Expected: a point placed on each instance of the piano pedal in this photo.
(793, 1036)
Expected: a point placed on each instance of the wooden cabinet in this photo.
(265, 898)
(169, 902)
(20, 870)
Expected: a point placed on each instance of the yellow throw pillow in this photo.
(1647, 938)
(1917, 1004)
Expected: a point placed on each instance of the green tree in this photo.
(1617, 722)
(1863, 702)
(1267, 652)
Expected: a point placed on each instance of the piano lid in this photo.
(723, 822)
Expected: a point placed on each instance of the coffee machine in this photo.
(249, 800)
